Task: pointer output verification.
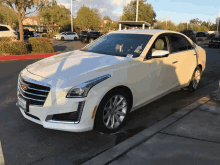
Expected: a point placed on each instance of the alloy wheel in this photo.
(196, 79)
(114, 111)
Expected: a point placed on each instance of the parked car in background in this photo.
(36, 34)
(67, 36)
(100, 84)
(82, 34)
(191, 34)
(90, 36)
(214, 42)
(202, 34)
(7, 31)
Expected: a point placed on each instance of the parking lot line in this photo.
(2, 161)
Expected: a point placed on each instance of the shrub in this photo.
(41, 45)
(5, 39)
(13, 48)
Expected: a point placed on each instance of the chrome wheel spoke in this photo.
(107, 123)
(117, 119)
(115, 101)
(110, 103)
(120, 107)
(112, 121)
(121, 99)
(120, 113)
(107, 115)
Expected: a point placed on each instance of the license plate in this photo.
(22, 103)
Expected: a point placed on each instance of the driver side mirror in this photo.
(160, 53)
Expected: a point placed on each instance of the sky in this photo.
(178, 10)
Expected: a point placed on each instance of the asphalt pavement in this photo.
(189, 136)
(24, 142)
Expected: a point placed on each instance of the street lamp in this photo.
(137, 13)
(72, 14)
(187, 24)
(166, 20)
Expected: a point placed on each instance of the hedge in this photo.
(5, 39)
(13, 48)
(41, 45)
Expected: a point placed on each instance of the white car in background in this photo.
(67, 36)
(100, 84)
(7, 31)
(36, 34)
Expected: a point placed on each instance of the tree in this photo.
(181, 27)
(54, 14)
(162, 25)
(106, 18)
(97, 13)
(19, 8)
(7, 16)
(145, 12)
(195, 21)
(87, 19)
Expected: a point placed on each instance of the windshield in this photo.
(119, 44)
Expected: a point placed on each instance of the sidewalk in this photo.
(189, 136)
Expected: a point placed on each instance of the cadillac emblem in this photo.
(24, 86)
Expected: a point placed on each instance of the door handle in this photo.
(174, 62)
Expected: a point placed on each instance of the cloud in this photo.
(116, 13)
(120, 3)
(101, 10)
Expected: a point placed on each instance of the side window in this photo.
(179, 43)
(161, 43)
(3, 28)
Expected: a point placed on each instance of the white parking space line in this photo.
(2, 161)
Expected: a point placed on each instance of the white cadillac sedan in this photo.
(97, 86)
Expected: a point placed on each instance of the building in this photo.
(33, 23)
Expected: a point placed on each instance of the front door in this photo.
(158, 74)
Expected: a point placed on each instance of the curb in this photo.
(19, 57)
(115, 152)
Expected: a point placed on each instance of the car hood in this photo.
(67, 66)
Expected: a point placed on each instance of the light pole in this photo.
(72, 14)
(166, 20)
(187, 24)
(218, 21)
(137, 13)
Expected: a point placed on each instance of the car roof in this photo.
(145, 31)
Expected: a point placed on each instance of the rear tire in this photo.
(196, 77)
(62, 38)
(112, 111)
(75, 38)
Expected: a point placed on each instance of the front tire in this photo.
(112, 111)
(195, 79)
(62, 38)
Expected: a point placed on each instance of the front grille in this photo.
(35, 93)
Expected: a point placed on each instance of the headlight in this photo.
(83, 89)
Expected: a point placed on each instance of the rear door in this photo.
(186, 57)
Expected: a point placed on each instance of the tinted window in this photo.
(217, 39)
(119, 44)
(179, 43)
(3, 28)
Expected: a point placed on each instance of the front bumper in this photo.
(59, 112)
